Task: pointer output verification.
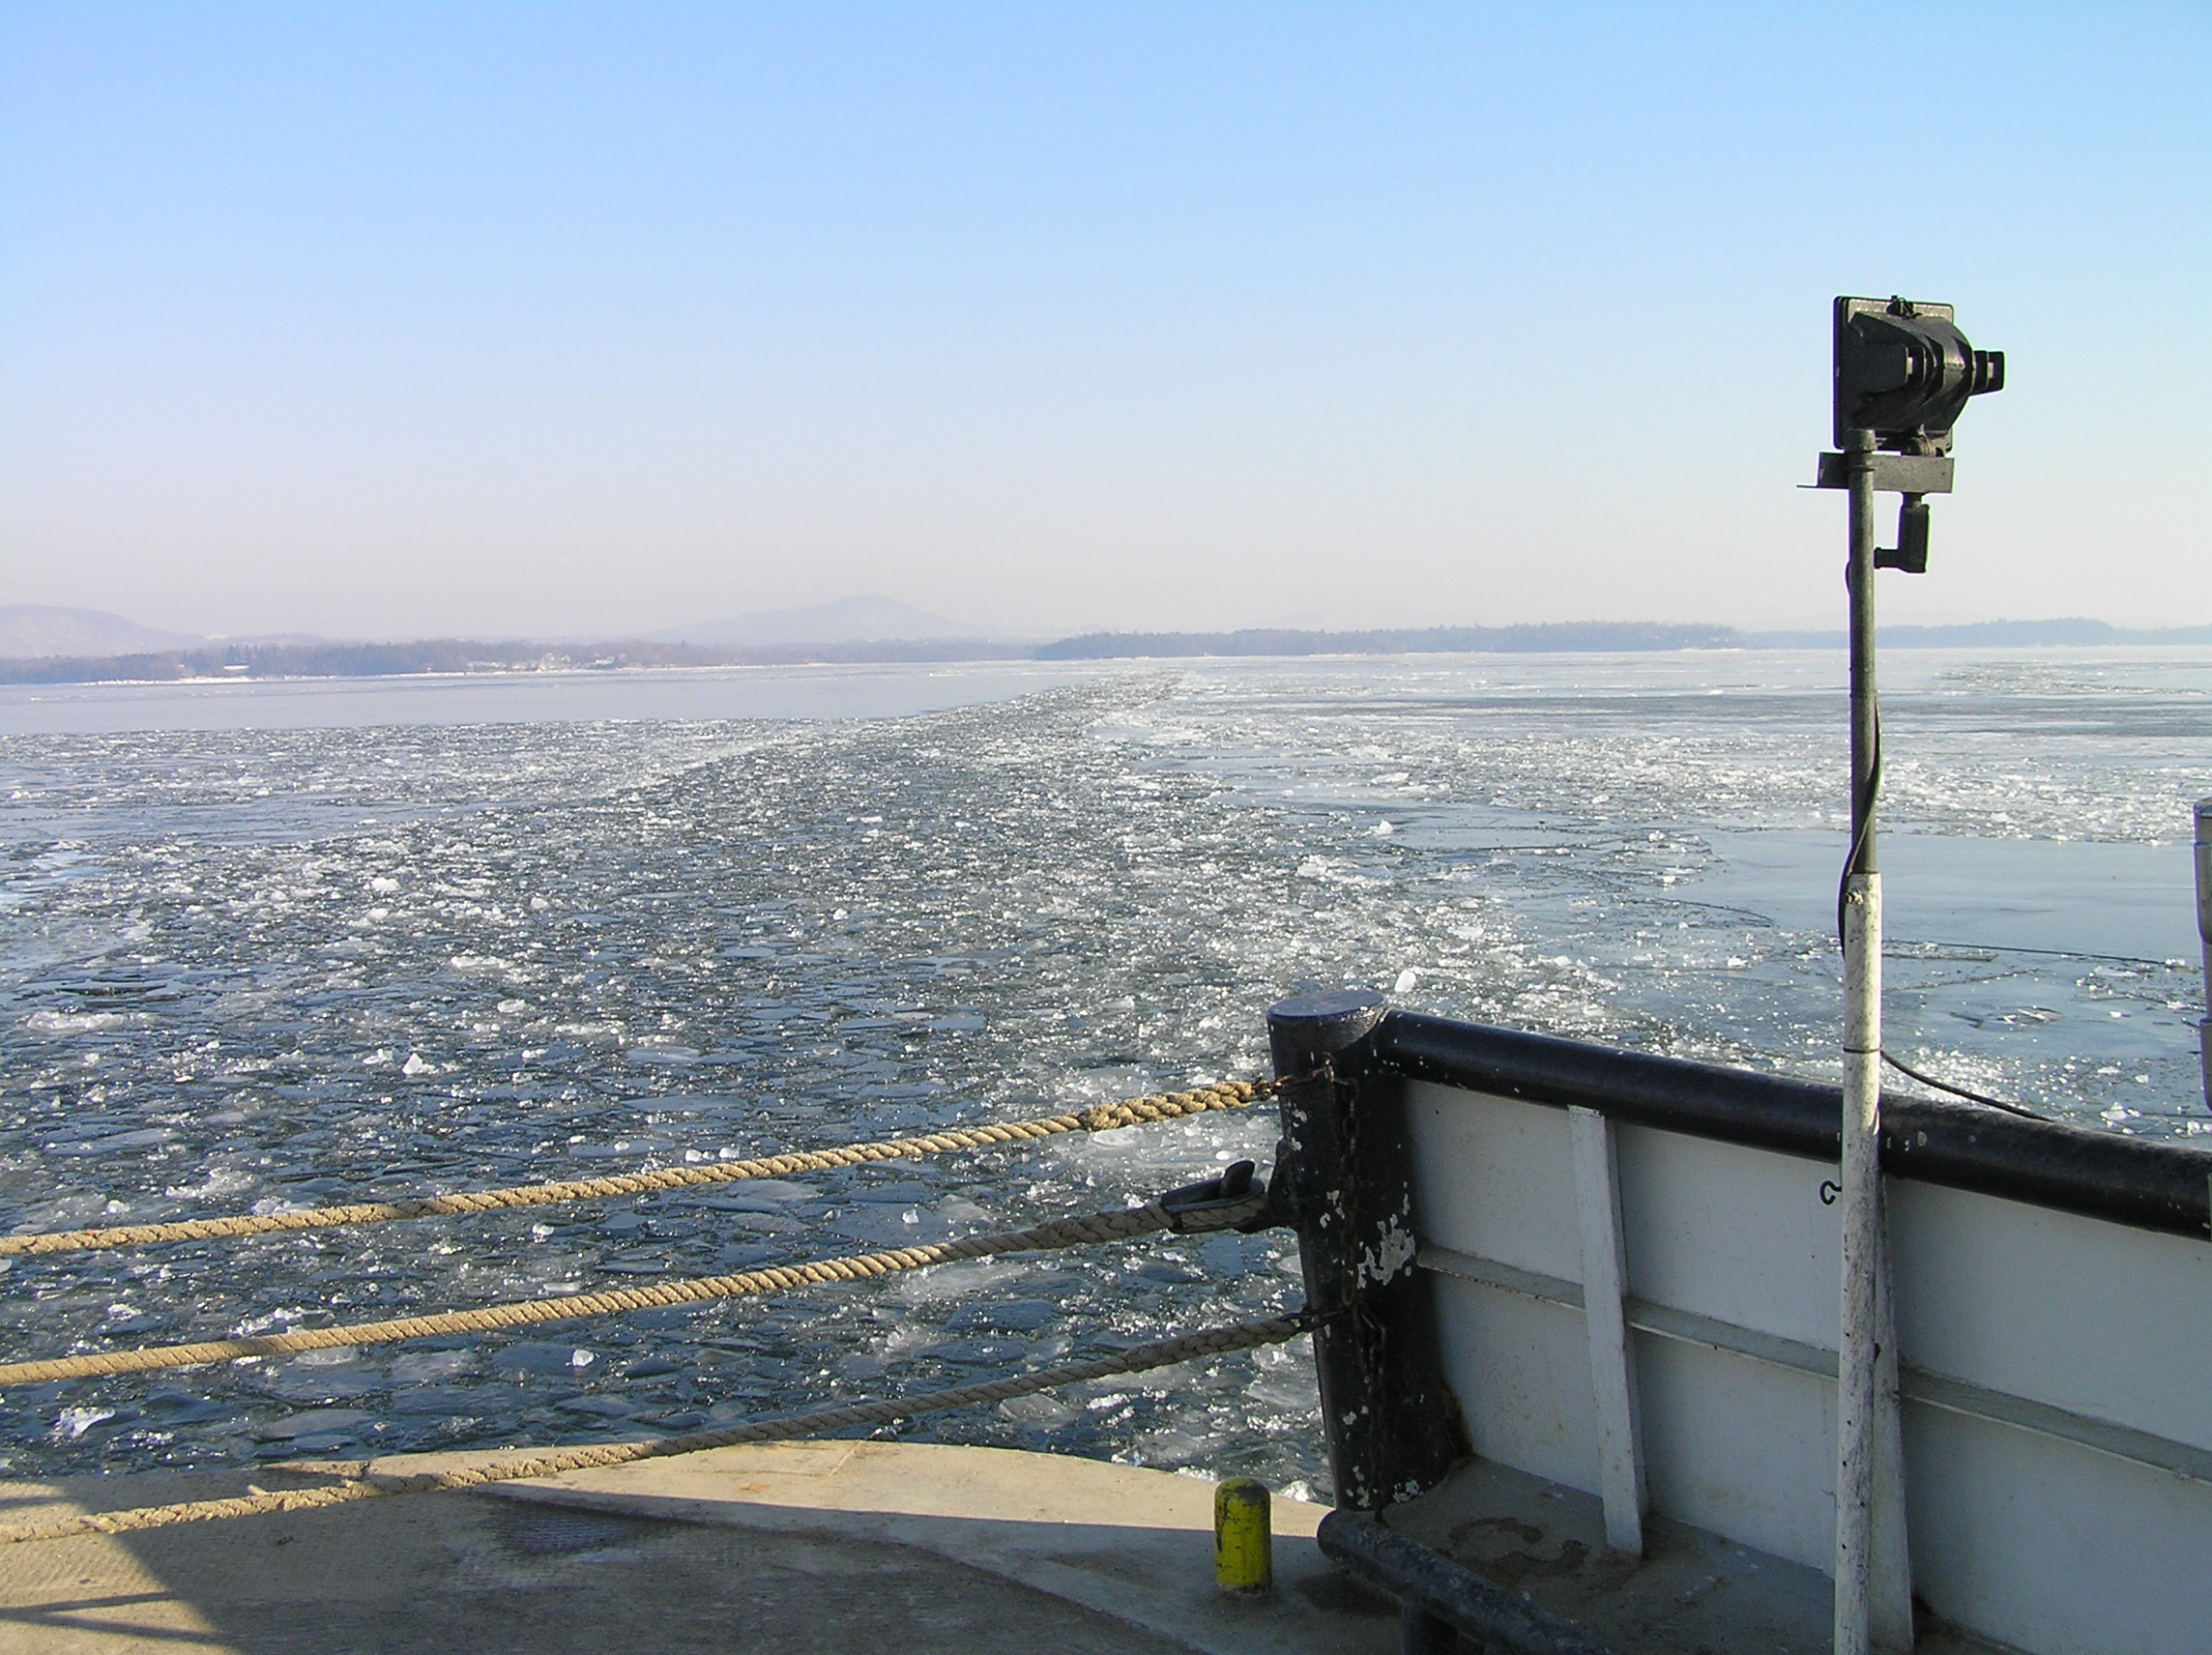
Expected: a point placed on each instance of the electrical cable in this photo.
(1905, 1068)
(1862, 817)
(1862, 824)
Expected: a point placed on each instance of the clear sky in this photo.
(385, 319)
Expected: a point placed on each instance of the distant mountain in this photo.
(35, 631)
(847, 620)
(1591, 636)
(1991, 634)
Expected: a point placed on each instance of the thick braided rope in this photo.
(1102, 1117)
(1097, 1227)
(1212, 1341)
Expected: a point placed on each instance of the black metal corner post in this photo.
(1394, 1428)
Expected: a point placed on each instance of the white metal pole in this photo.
(1856, 1433)
(2204, 936)
(1874, 1592)
(1889, 1563)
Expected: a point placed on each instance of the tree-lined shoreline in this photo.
(392, 659)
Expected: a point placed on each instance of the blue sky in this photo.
(384, 320)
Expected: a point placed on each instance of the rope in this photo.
(1102, 1117)
(1098, 1226)
(365, 1483)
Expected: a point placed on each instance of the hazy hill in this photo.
(867, 619)
(80, 646)
(35, 631)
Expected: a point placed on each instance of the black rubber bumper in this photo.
(2146, 1183)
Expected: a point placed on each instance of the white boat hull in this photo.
(2053, 1294)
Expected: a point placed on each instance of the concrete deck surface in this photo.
(794, 1547)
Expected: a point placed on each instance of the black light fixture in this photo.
(1904, 371)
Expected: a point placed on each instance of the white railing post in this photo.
(1611, 1358)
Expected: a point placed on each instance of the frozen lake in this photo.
(289, 944)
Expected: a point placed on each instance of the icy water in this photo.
(281, 945)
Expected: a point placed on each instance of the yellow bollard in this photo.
(1243, 1543)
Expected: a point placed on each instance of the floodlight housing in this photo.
(1904, 371)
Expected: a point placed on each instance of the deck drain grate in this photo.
(537, 1532)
